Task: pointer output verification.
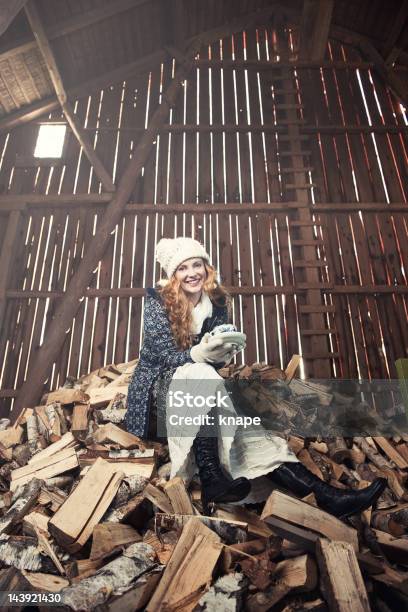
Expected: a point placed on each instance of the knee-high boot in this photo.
(216, 486)
(340, 502)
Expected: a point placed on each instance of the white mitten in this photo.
(210, 350)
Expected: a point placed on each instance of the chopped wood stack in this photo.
(87, 510)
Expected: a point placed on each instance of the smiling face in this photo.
(191, 274)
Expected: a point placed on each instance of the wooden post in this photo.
(6, 258)
(49, 59)
(314, 29)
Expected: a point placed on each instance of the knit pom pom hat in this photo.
(171, 252)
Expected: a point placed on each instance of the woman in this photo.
(177, 347)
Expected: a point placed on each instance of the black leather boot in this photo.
(216, 486)
(340, 502)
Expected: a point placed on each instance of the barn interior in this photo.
(273, 132)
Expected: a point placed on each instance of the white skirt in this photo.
(250, 452)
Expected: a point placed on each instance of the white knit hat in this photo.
(171, 252)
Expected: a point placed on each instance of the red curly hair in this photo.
(179, 308)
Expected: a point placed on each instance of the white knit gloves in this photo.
(211, 350)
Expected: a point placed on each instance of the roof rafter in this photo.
(75, 23)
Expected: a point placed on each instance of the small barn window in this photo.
(50, 141)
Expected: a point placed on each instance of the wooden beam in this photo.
(8, 203)
(314, 28)
(83, 20)
(72, 24)
(137, 292)
(8, 10)
(7, 258)
(138, 67)
(398, 27)
(49, 59)
(46, 354)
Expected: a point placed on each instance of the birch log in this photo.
(118, 574)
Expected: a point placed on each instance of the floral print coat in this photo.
(159, 352)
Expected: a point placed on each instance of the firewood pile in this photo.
(87, 511)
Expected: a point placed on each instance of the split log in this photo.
(60, 462)
(136, 512)
(52, 497)
(234, 552)
(392, 454)
(113, 433)
(137, 597)
(11, 436)
(226, 594)
(191, 567)
(256, 527)
(22, 454)
(80, 418)
(6, 453)
(342, 582)
(129, 487)
(305, 457)
(299, 573)
(61, 482)
(112, 577)
(258, 569)
(111, 537)
(395, 549)
(292, 367)
(84, 568)
(45, 546)
(116, 410)
(35, 519)
(296, 444)
(158, 498)
(23, 553)
(179, 499)
(53, 419)
(67, 441)
(129, 470)
(338, 450)
(23, 500)
(74, 522)
(62, 419)
(229, 531)
(65, 397)
(164, 546)
(33, 434)
(98, 398)
(45, 582)
(281, 506)
(306, 387)
(372, 453)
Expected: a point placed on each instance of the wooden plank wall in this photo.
(269, 158)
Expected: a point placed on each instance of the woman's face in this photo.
(191, 274)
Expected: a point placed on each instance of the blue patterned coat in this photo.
(159, 352)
